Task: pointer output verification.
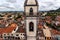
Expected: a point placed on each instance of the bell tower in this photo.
(31, 7)
(31, 12)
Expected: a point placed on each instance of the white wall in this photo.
(28, 20)
(14, 31)
(31, 2)
(47, 32)
(31, 38)
(21, 35)
(35, 9)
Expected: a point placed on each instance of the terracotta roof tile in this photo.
(55, 32)
(8, 29)
(40, 26)
(1, 38)
(21, 30)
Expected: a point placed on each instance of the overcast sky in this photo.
(18, 5)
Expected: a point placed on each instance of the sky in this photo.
(18, 5)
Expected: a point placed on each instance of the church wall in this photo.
(29, 2)
(27, 10)
(27, 26)
(31, 38)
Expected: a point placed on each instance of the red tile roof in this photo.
(21, 29)
(1, 38)
(48, 17)
(40, 26)
(55, 32)
(8, 29)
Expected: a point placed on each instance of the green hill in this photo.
(58, 10)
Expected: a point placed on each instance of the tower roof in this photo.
(31, 3)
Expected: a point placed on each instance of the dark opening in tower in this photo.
(31, 11)
(31, 26)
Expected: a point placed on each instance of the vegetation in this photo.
(1, 15)
(54, 26)
(53, 12)
(18, 16)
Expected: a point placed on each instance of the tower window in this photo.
(31, 26)
(31, 11)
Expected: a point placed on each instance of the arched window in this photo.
(31, 11)
(31, 26)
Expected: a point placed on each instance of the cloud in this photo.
(11, 1)
(49, 4)
(19, 5)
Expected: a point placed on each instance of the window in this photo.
(56, 38)
(14, 29)
(4, 34)
(8, 34)
(12, 34)
(31, 11)
(23, 34)
(47, 38)
(5, 37)
(1, 36)
(13, 37)
(9, 37)
(9, 15)
(17, 34)
(31, 26)
(18, 37)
